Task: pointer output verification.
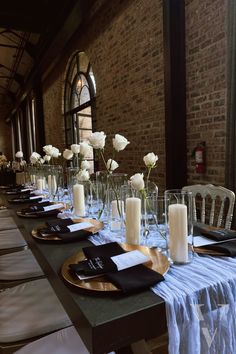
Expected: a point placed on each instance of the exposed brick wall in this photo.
(206, 86)
(124, 42)
(53, 117)
(125, 47)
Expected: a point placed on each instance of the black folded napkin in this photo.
(40, 214)
(215, 234)
(94, 266)
(64, 222)
(74, 236)
(18, 191)
(35, 208)
(59, 228)
(227, 248)
(25, 198)
(128, 280)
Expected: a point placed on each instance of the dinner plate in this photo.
(159, 263)
(97, 225)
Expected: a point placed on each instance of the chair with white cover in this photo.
(19, 265)
(27, 311)
(11, 238)
(64, 341)
(217, 199)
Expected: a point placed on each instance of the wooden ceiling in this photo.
(27, 29)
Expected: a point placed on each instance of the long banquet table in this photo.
(105, 321)
(197, 307)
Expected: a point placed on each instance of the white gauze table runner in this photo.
(200, 303)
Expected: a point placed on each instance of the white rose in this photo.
(112, 165)
(19, 154)
(55, 152)
(47, 158)
(83, 175)
(85, 148)
(48, 149)
(34, 157)
(67, 154)
(137, 181)
(41, 161)
(97, 140)
(85, 165)
(119, 142)
(150, 159)
(33, 160)
(75, 148)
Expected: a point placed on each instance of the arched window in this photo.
(79, 101)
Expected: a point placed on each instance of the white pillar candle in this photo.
(33, 179)
(20, 178)
(178, 232)
(133, 220)
(39, 184)
(52, 184)
(78, 200)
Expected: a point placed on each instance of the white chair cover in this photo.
(19, 265)
(65, 341)
(11, 238)
(4, 213)
(30, 309)
(7, 223)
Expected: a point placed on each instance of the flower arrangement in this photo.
(19, 155)
(138, 184)
(98, 140)
(137, 180)
(78, 153)
(36, 159)
(3, 160)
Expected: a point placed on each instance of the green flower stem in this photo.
(112, 185)
(149, 171)
(77, 160)
(144, 198)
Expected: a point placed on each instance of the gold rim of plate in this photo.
(159, 263)
(97, 225)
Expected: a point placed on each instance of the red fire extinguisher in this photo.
(200, 157)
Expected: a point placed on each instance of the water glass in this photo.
(115, 207)
(157, 222)
(54, 180)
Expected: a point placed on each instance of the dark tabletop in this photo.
(105, 321)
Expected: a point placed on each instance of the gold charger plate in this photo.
(158, 263)
(202, 250)
(97, 225)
